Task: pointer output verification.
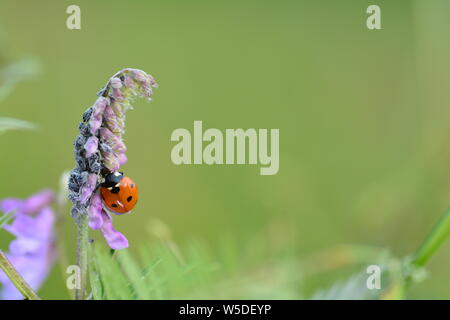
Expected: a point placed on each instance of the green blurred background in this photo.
(363, 118)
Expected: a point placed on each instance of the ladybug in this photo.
(119, 193)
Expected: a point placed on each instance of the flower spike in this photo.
(100, 149)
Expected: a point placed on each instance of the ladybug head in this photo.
(112, 179)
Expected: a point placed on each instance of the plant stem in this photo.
(60, 243)
(435, 239)
(82, 255)
(16, 278)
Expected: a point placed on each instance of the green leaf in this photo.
(94, 275)
(15, 73)
(133, 273)
(166, 271)
(15, 124)
(355, 287)
(113, 280)
(6, 218)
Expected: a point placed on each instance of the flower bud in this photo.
(113, 141)
(111, 121)
(91, 146)
(88, 188)
(116, 83)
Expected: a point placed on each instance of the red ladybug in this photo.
(119, 193)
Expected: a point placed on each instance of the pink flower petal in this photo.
(114, 238)
(97, 115)
(88, 188)
(129, 83)
(111, 121)
(91, 146)
(122, 158)
(38, 201)
(32, 252)
(10, 204)
(95, 212)
(110, 161)
(117, 94)
(113, 141)
(99, 106)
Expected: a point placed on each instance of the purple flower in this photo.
(91, 146)
(115, 239)
(33, 250)
(95, 212)
(100, 149)
(100, 219)
(96, 116)
(33, 204)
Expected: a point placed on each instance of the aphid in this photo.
(119, 193)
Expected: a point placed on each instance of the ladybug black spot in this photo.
(129, 198)
(132, 185)
(114, 205)
(115, 190)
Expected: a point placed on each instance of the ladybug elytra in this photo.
(119, 193)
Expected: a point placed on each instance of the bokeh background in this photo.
(363, 118)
